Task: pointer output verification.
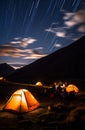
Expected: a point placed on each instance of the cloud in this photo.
(57, 45)
(59, 31)
(17, 67)
(50, 30)
(13, 51)
(18, 48)
(68, 16)
(72, 22)
(16, 64)
(17, 38)
(75, 18)
(15, 42)
(34, 56)
(23, 42)
(81, 29)
(34, 53)
(61, 34)
(26, 41)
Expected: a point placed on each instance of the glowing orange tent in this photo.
(21, 101)
(1, 78)
(39, 84)
(72, 87)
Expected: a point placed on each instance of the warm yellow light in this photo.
(39, 84)
(71, 88)
(22, 101)
(1, 78)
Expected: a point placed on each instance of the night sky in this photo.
(31, 29)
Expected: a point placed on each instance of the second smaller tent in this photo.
(72, 88)
(39, 84)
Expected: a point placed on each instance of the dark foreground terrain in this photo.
(53, 114)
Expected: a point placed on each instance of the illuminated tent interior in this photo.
(1, 78)
(72, 88)
(39, 84)
(21, 101)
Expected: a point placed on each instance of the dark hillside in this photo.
(6, 69)
(66, 63)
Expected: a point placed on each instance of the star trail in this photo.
(31, 29)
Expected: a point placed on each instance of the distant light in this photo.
(39, 84)
(1, 78)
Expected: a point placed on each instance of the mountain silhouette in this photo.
(6, 69)
(66, 63)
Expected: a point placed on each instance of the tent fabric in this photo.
(21, 101)
(39, 84)
(72, 87)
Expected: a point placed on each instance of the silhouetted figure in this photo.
(53, 90)
(63, 90)
(59, 90)
(55, 86)
(64, 94)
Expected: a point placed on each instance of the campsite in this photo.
(51, 113)
(42, 64)
(46, 94)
